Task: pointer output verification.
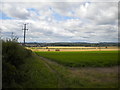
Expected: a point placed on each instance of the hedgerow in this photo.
(13, 56)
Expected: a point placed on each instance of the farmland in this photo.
(23, 68)
(44, 73)
(59, 44)
(88, 69)
(72, 48)
(83, 59)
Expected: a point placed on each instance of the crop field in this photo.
(71, 48)
(59, 69)
(86, 69)
(44, 73)
(83, 59)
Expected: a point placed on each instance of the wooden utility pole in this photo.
(24, 29)
(12, 35)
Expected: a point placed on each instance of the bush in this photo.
(13, 56)
(8, 72)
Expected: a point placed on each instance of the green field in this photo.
(42, 73)
(22, 68)
(83, 59)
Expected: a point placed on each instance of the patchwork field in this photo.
(83, 59)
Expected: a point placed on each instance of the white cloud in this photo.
(60, 0)
(98, 13)
(16, 12)
(90, 22)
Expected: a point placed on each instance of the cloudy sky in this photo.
(61, 21)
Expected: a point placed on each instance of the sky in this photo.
(60, 21)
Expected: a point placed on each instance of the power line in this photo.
(24, 29)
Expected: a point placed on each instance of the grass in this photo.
(83, 59)
(48, 74)
(39, 76)
(39, 72)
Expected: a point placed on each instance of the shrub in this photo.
(13, 56)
